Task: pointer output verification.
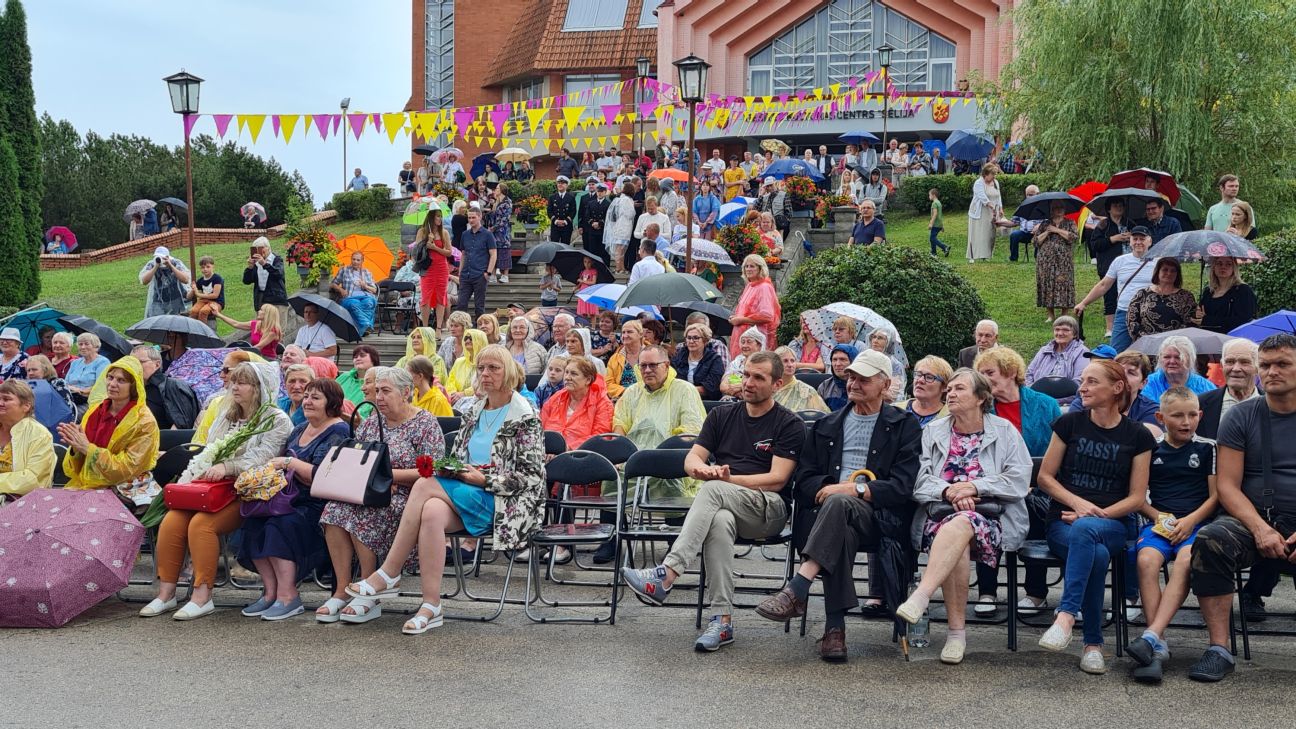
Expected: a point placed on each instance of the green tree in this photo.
(14, 244)
(1194, 87)
(21, 267)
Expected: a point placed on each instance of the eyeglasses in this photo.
(226, 370)
(927, 377)
(693, 338)
(651, 365)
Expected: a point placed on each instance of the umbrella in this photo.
(1086, 191)
(1191, 204)
(425, 149)
(201, 369)
(545, 252)
(1279, 322)
(866, 317)
(569, 265)
(176, 203)
(377, 256)
(542, 319)
(330, 312)
(820, 323)
(1165, 182)
(1205, 342)
(732, 212)
(792, 168)
(604, 296)
(1039, 207)
(139, 207)
(69, 238)
(969, 145)
(415, 213)
(1199, 245)
(665, 289)
(111, 344)
(859, 138)
(61, 552)
(157, 329)
(483, 162)
(669, 173)
(717, 315)
(442, 156)
(512, 154)
(250, 208)
(1135, 199)
(29, 322)
(50, 407)
(703, 250)
(1185, 221)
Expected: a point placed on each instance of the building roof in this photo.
(526, 52)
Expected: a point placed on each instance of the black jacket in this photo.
(172, 402)
(562, 206)
(1212, 406)
(894, 453)
(592, 209)
(710, 370)
(1101, 245)
(275, 292)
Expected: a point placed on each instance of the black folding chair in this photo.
(60, 478)
(810, 416)
(168, 439)
(533, 381)
(813, 379)
(449, 423)
(684, 441)
(1056, 387)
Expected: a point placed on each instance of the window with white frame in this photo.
(532, 88)
(438, 54)
(648, 14)
(595, 15)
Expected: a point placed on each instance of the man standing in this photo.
(824, 161)
(593, 212)
(647, 265)
(939, 166)
(315, 338)
(755, 445)
(478, 262)
(669, 201)
(172, 402)
(265, 274)
(844, 515)
(1025, 228)
(562, 211)
(1257, 489)
(359, 182)
(359, 292)
(986, 335)
(567, 166)
(715, 165)
(1159, 224)
(1218, 217)
(1240, 361)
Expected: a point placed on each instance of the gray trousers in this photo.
(721, 512)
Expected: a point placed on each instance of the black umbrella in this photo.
(717, 315)
(175, 203)
(1135, 199)
(569, 265)
(1040, 207)
(544, 252)
(1185, 220)
(665, 289)
(111, 344)
(157, 329)
(426, 149)
(330, 312)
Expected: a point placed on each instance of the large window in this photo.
(839, 41)
(595, 15)
(647, 14)
(438, 52)
(576, 84)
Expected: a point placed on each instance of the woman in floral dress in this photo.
(500, 222)
(1054, 268)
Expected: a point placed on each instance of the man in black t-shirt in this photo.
(755, 447)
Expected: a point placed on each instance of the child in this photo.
(265, 331)
(553, 381)
(208, 292)
(550, 286)
(937, 222)
(588, 277)
(1181, 488)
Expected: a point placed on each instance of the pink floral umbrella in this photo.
(61, 553)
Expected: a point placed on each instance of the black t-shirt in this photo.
(1177, 479)
(1098, 461)
(207, 285)
(1240, 431)
(748, 445)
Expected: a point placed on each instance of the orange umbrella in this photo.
(670, 173)
(377, 256)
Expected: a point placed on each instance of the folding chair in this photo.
(642, 526)
(810, 416)
(168, 439)
(567, 469)
(1056, 387)
(533, 381)
(450, 440)
(60, 478)
(784, 537)
(684, 441)
(812, 379)
(617, 449)
(386, 311)
(449, 423)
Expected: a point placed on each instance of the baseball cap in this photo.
(770, 181)
(1102, 351)
(870, 362)
(1140, 230)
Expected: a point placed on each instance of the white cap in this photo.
(870, 362)
(770, 180)
(161, 252)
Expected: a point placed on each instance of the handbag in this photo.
(989, 508)
(356, 472)
(260, 483)
(278, 505)
(208, 496)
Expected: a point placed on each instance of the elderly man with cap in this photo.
(167, 280)
(854, 488)
(1129, 273)
(593, 216)
(562, 212)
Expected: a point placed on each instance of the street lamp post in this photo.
(642, 67)
(884, 60)
(184, 89)
(692, 73)
(346, 104)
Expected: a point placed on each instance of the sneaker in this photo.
(647, 583)
(1028, 606)
(716, 635)
(952, 653)
(283, 611)
(503, 278)
(1211, 667)
(1254, 608)
(260, 606)
(1093, 662)
(1151, 673)
(605, 553)
(1142, 651)
(985, 606)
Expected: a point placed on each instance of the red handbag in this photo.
(208, 496)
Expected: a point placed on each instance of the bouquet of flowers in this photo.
(448, 191)
(222, 450)
(533, 209)
(801, 190)
(823, 208)
(739, 241)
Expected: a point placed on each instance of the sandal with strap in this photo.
(364, 589)
(420, 624)
(365, 608)
(333, 606)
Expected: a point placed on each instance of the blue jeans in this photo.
(361, 308)
(1015, 240)
(1087, 545)
(1120, 338)
(935, 242)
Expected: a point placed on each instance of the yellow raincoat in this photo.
(648, 418)
(133, 448)
(31, 459)
(434, 402)
(465, 368)
(429, 351)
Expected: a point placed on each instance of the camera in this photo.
(158, 260)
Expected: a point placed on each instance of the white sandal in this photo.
(334, 607)
(364, 589)
(420, 624)
(365, 608)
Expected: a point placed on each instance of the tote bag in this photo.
(354, 471)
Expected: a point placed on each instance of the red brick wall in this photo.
(475, 25)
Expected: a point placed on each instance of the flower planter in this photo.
(803, 212)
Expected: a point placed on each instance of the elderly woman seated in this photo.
(85, 370)
(248, 431)
(794, 394)
(26, 447)
(1175, 361)
(931, 376)
(883, 340)
(296, 378)
(39, 367)
(974, 476)
(116, 442)
(1061, 357)
(698, 364)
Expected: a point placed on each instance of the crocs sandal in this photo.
(365, 608)
(333, 607)
(364, 589)
(420, 624)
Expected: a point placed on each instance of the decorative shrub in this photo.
(823, 208)
(956, 190)
(801, 191)
(1274, 279)
(372, 204)
(933, 307)
(309, 244)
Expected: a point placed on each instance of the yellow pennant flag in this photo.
(534, 142)
(288, 123)
(394, 124)
(424, 123)
(254, 123)
(240, 120)
(534, 116)
(572, 115)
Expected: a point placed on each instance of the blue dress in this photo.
(297, 536)
(475, 506)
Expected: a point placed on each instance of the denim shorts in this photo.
(1149, 539)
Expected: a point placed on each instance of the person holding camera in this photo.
(167, 280)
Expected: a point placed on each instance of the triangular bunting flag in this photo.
(189, 121)
(395, 124)
(337, 122)
(648, 107)
(462, 118)
(377, 121)
(242, 120)
(322, 122)
(610, 113)
(571, 115)
(254, 123)
(222, 123)
(288, 122)
(357, 122)
(499, 119)
(533, 118)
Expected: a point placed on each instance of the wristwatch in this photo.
(861, 488)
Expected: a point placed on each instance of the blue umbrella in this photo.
(792, 168)
(969, 144)
(732, 212)
(1279, 322)
(859, 137)
(30, 321)
(481, 163)
(51, 408)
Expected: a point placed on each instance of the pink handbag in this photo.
(356, 472)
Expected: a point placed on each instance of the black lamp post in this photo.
(642, 67)
(884, 61)
(692, 76)
(184, 88)
(346, 104)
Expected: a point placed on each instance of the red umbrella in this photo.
(61, 552)
(69, 238)
(1086, 191)
(1165, 182)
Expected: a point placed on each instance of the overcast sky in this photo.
(99, 64)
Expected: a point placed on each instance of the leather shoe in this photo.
(781, 606)
(832, 646)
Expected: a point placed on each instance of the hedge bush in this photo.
(956, 190)
(516, 191)
(372, 204)
(933, 307)
(1274, 279)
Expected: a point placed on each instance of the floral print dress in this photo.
(964, 464)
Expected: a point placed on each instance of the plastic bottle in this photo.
(918, 632)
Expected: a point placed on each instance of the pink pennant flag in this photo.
(189, 121)
(337, 122)
(322, 124)
(357, 122)
(377, 121)
(610, 112)
(782, 98)
(852, 80)
(274, 123)
(222, 123)
(499, 117)
(462, 118)
(647, 108)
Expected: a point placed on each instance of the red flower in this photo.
(426, 466)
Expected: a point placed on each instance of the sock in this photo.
(800, 586)
(921, 594)
(959, 635)
(835, 619)
(1222, 651)
(1155, 640)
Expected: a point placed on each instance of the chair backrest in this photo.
(449, 423)
(615, 448)
(60, 479)
(555, 443)
(1056, 387)
(1035, 469)
(683, 441)
(533, 381)
(580, 466)
(174, 461)
(810, 416)
(813, 379)
(450, 440)
(713, 404)
(656, 463)
(168, 439)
